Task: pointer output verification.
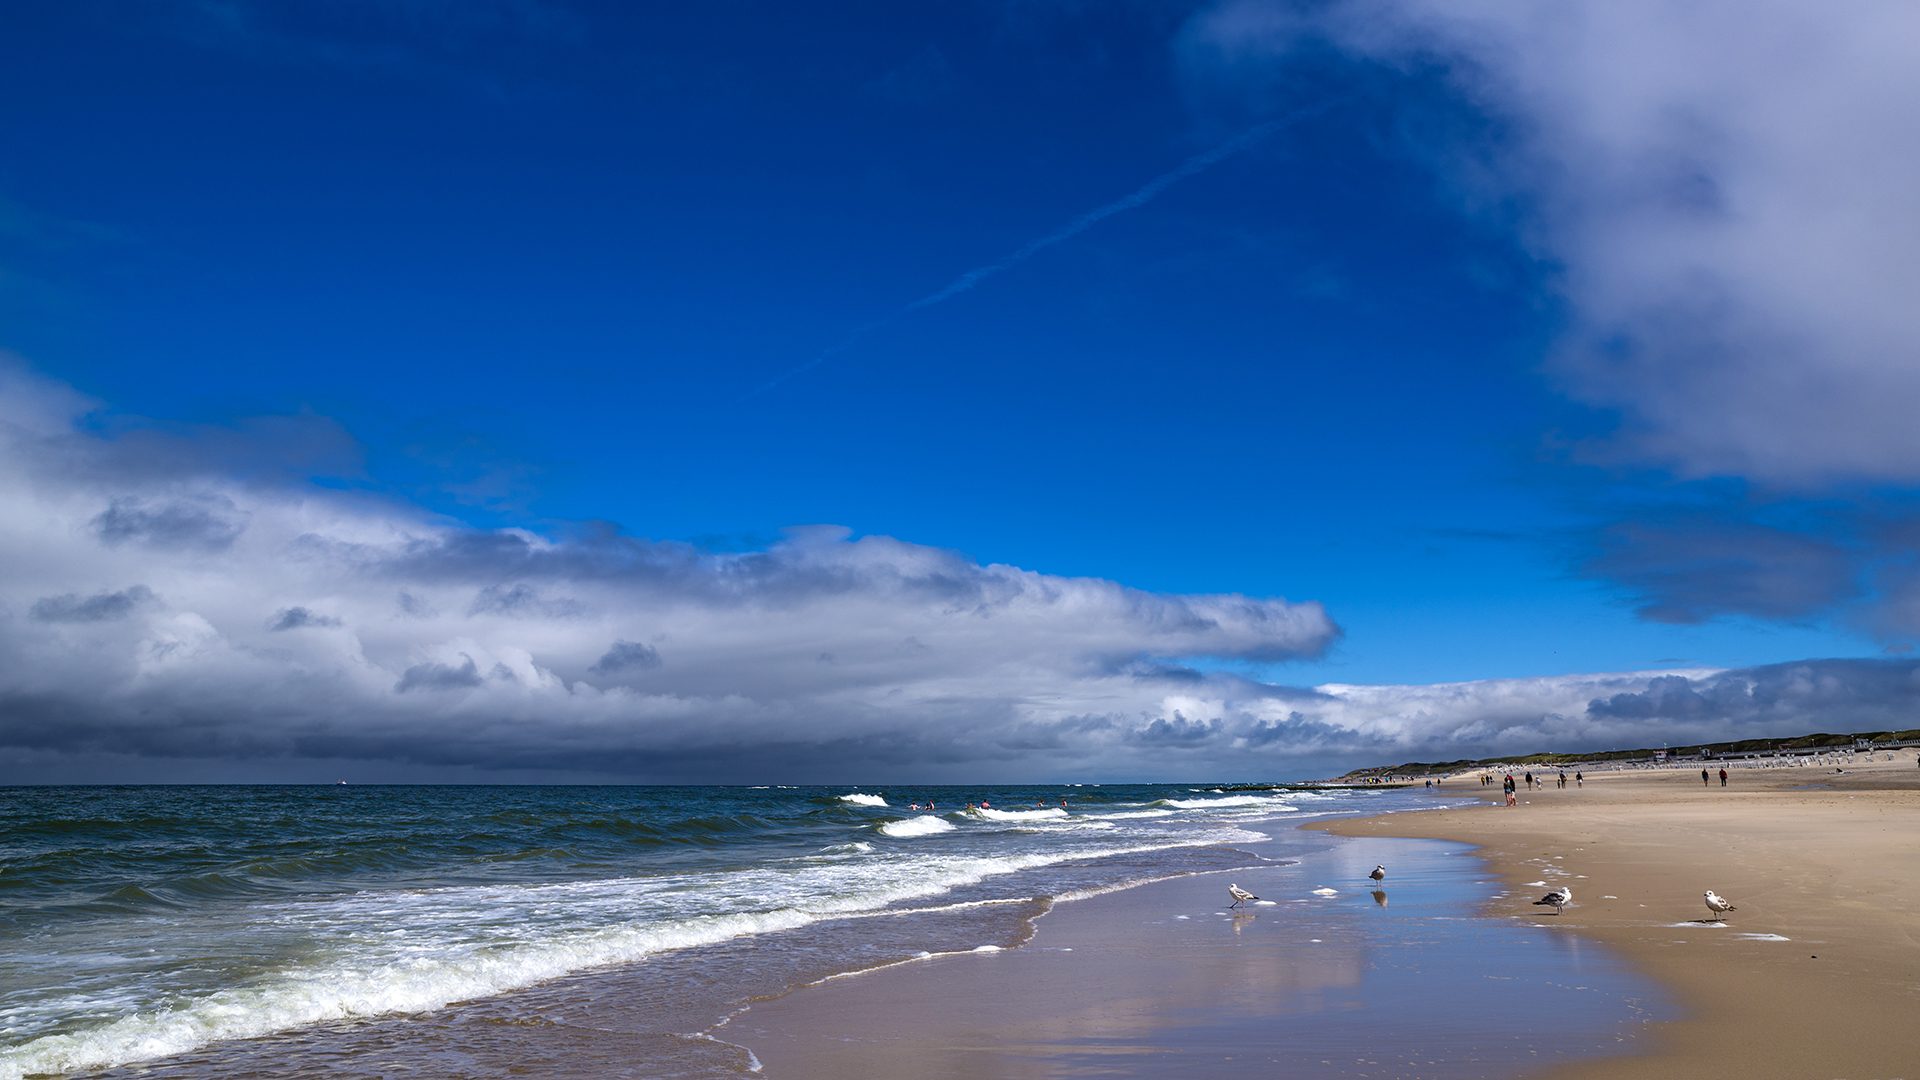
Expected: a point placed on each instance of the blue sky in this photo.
(1415, 356)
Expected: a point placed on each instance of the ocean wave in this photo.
(1227, 802)
(990, 814)
(346, 991)
(426, 949)
(340, 910)
(924, 825)
(438, 946)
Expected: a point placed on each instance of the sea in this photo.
(343, 931)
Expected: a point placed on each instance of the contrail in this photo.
(1191, 167)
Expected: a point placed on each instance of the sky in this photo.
(1033, 390)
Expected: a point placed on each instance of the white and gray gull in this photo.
(1240, 895)
(1718, 905)
(1556, 899)
(1379, 873)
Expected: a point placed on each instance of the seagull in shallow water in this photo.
(1718, 904)
(1557, 899)
(1379, 873)
(1240, 895)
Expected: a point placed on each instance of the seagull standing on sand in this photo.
(1240, 895)
(1379, 873)
(1557, 899)
(1718, 905)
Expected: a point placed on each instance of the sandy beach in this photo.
(1816, 973)
(1326, 975)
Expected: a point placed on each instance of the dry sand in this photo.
(1829, 862)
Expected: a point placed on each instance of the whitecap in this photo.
(1234, 800)
(858, 799)
(1055, 813)
(924, 825)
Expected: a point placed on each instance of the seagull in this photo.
(1379, 873)
(1557, 898)
(1240, 895)
(1718, 905)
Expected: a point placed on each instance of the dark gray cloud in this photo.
(99, 607)
(414, 606)
(627, 656)
(1695, 567)
(1827, 695)
(1689, 553)
(442, 677)
(523, 601)
(1177, 731)
(210, 523)
(295, 618)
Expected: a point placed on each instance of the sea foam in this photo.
(468, 942)
(1232, 800)
(1053, 814)
(398, 942)
(924, 825)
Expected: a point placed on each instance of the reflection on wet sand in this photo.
(1161, 981)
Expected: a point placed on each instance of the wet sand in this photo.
(1330, 977)
(1817, 972)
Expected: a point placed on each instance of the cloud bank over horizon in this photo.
(157, 606)
(180, 605)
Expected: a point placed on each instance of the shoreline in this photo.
(1816, 973)
(1163, 980)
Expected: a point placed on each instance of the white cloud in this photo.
(152, 605)
(308, 632)
(1731, 188)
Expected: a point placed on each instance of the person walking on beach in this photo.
(1723, 778)
(1705, 780)
(1508, 786)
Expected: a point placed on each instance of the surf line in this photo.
(1193, 166)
